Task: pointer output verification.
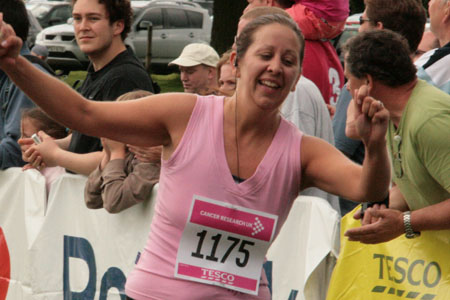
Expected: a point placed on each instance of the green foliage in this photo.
(169, 83)
(226, 18)
(356, 6)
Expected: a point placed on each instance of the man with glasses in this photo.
(378, 65)
(406, 17)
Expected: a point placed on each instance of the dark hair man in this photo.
(406, 17)
(100, 29)
(379, 61)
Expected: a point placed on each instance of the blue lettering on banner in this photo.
(293, 295)
(113, 278)
(77, 247)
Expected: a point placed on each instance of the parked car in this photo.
(206, 4)
(174, 25)
(50, 13)
(34, 29)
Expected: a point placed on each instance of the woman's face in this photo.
(270, 68)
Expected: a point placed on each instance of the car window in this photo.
(40, 11)
(154, 15)
(177, 18)
(63, 12)
(195, 18)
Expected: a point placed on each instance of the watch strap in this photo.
(409, 232)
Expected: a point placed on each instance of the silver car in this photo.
(50, 13)
(34, 29)
(175, 25)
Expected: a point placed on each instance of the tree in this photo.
(357, 6)
(226, 17)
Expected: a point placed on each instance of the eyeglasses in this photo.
(397, 163)
(362, 20)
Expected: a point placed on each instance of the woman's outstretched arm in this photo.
(151, 121)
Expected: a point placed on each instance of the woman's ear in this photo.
(234, 63)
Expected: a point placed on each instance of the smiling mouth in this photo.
(269, 84)
(84, 38)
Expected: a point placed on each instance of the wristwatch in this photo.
(409, 232)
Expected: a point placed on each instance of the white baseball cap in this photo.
(196, 54)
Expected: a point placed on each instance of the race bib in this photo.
(224, 245)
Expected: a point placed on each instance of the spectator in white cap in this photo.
(197, 64)
(40, 51)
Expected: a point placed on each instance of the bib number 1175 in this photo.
(218, 242)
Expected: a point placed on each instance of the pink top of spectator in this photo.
(330, 10)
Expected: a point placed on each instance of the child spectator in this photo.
(34, 120)
(122, 180)
(226, 77)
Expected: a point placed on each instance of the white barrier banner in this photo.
(77, 253)
(22, 199)
(62, 250)
(302, 257)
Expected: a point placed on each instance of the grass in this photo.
(168, 83)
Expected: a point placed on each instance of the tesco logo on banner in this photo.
(5, 266)
(80, 248)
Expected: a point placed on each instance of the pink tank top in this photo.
(199, 167)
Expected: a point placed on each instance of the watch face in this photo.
(411, 235)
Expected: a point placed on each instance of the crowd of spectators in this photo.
(280, 86)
